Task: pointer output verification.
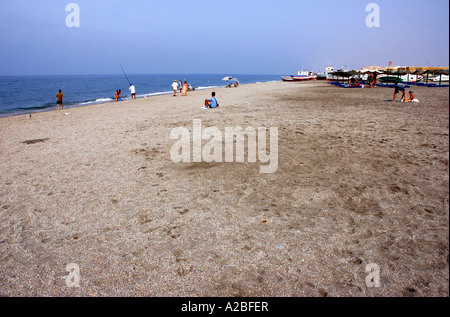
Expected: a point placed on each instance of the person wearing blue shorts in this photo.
(399, 87)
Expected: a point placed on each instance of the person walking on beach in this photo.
(211, 102)
(59, 99)
(185, 89)
(133, 91)
(175, 88)
(181, 85)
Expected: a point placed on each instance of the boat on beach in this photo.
(328, 70)
(301, 76)
(408, 78)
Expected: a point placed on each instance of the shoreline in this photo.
(360, 181)
(128, 98)
(78, 92)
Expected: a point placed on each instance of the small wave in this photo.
(154, 94)
(91, 102)
(44, 106)
(104, 100)
(24, 110)
(206, 87)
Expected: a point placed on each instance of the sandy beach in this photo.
(360, 181)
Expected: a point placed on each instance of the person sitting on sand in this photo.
(400, 87)
(211, 102)
(411, 97)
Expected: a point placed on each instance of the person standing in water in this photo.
(59, 99)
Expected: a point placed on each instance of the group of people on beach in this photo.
(213, 103)
(372, 79)
(132, 90)
(399, 87)
(209, 103)
(183, 88)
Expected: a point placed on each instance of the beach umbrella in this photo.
(417, 72)
(341, 73)
(399, 73)
(440, 72)
(229, 78)
(431, 71)
(428, 73)
(408, 72)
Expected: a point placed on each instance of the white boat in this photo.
(325, 75)
(301, 76)
(408, 78)
(328, 70)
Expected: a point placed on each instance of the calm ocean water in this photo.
(27, 94)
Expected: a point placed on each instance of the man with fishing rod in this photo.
(132, 88)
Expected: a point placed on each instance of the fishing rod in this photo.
(125, 75)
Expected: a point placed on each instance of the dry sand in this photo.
(360, 180)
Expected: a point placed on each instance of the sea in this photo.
(30, 94)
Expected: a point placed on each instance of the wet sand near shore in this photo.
(360, 181)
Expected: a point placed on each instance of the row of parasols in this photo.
(432, 72)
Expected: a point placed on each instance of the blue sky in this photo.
(229, 36)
